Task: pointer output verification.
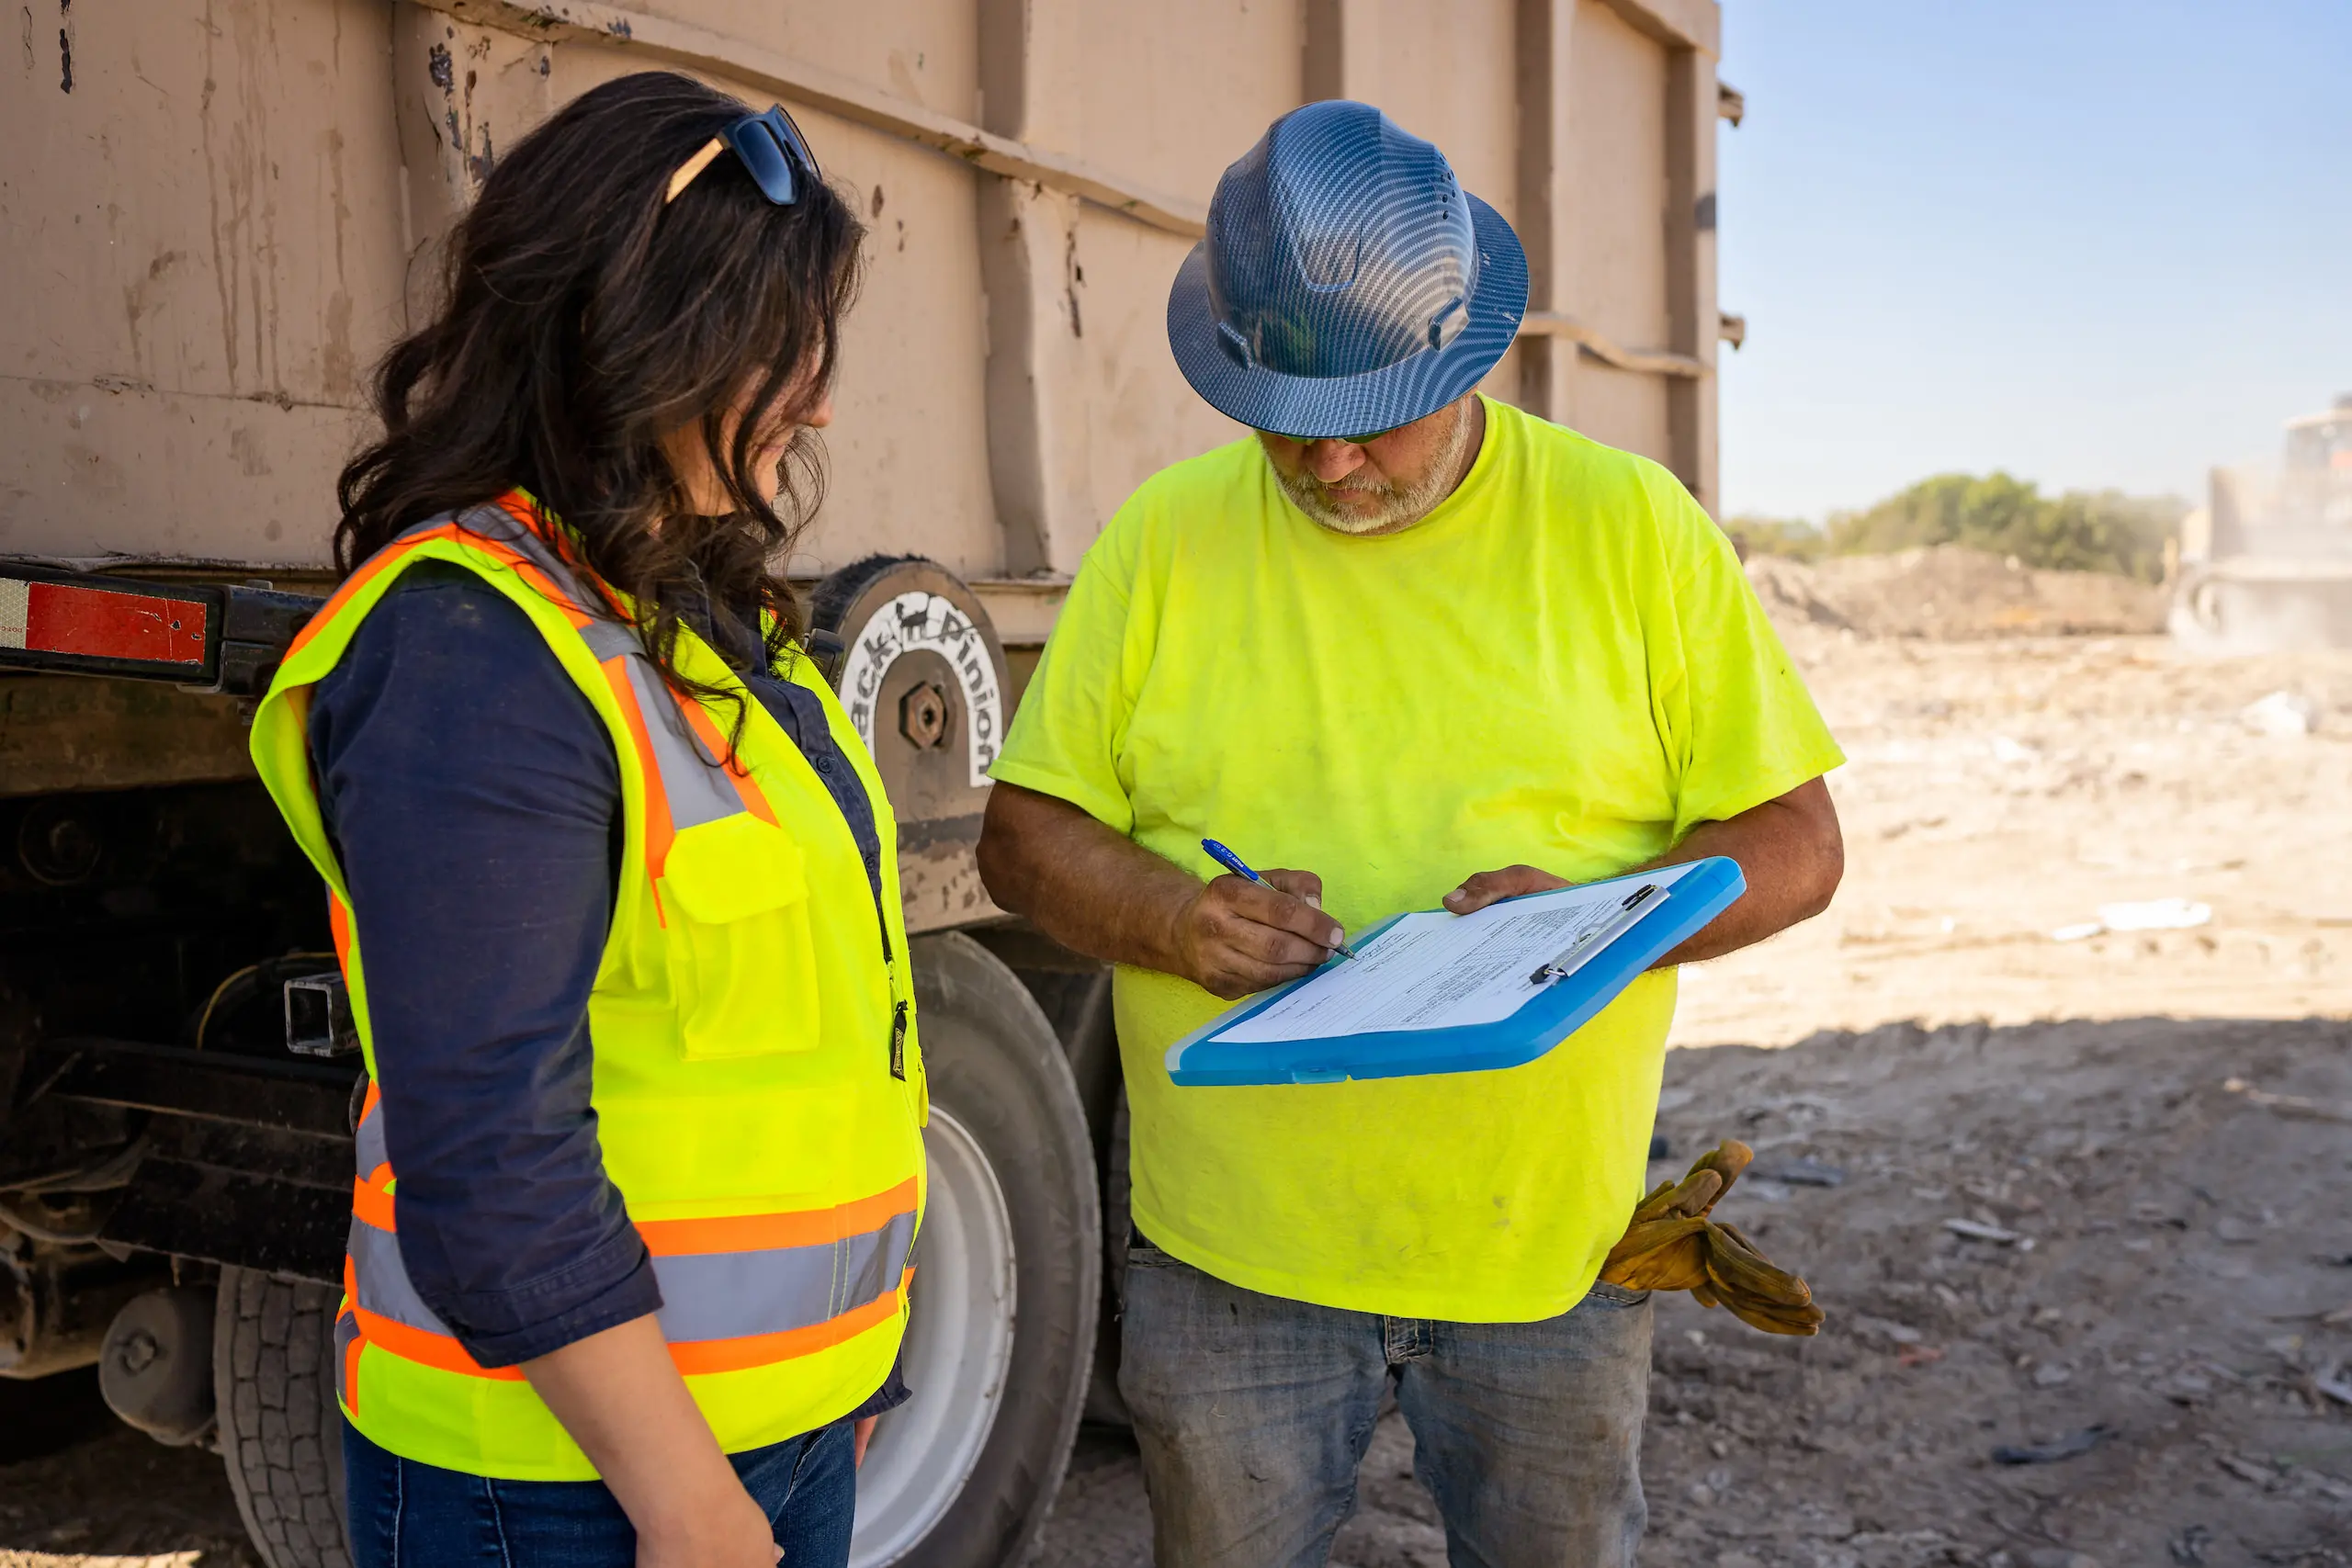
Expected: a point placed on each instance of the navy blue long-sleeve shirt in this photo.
(473, 799)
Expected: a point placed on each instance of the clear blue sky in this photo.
(2096, 242)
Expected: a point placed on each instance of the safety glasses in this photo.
(771, 149)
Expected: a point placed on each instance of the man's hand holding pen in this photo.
(1239, 936)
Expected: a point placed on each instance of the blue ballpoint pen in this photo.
(1240, 867)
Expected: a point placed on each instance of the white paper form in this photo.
(1432, 970)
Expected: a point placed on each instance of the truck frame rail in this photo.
(202, 637)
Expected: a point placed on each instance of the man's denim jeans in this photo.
(1254, 1411)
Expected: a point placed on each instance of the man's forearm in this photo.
(1090, 889)
(1789, 850)
(1097, 892)
(1793, 855)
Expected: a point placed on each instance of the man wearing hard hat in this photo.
(1438, 651)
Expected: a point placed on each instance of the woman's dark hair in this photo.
(584, 320)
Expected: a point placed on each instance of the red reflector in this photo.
(53, 617)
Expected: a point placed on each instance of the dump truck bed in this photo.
(223, 211)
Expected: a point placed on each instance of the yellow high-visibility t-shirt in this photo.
(1564, 666)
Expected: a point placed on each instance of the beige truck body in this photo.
(221, 211)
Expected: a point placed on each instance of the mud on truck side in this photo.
(222, 210)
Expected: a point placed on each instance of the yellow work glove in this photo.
(1673, 1243)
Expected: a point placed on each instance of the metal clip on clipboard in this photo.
(1592, 939)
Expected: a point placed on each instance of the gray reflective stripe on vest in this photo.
(882, 1267)
(698, 790)
(696, 787)
(368, 1142)
(730, 1296)
(346, 1329)
(497, 522)
(383, 1281)
(609, 640)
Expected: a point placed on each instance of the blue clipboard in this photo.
(1702, 890)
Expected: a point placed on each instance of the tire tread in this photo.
(281, 1436)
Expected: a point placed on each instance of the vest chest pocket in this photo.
(742, 956)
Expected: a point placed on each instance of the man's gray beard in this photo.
(1398, 506)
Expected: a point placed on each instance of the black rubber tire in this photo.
(1118, 1208)
(281, 1432)
(1077, 1001)
(995, 1065)
(1105, 1406)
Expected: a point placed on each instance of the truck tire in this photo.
(281, 1433)
(1007, 1281)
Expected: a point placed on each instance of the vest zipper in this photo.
(898, 1008)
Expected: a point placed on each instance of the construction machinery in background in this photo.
(2266, 563)
(223, 211)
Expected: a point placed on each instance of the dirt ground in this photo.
(78, 1489)
(1947, 592)
(2000, 791)
(2176, 1252)
(2176, 1299)
(2179, 1247)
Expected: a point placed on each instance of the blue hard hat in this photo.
(1348, 284)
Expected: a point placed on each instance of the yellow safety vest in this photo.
(759, 1088)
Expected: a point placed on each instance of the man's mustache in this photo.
(1352, 485)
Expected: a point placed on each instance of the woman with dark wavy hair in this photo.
(640, 1162)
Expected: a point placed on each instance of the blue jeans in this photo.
(406, 1515)
(1253, 1413)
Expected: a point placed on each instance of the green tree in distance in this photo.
(1998, 513)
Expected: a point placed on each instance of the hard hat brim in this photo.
(1317, 406)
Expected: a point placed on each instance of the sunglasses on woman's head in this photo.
(771, 149)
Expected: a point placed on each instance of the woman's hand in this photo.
(620, 1397)
(861, 1434)
(717, 1531)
